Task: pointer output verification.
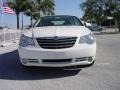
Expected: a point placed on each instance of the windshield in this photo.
(59, 21)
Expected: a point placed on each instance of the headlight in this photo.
(26, 41)
(88, 39)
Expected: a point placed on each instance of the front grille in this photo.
(56, 42)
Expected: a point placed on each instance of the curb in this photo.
(9, 48)
(4, 44)
(106, 33)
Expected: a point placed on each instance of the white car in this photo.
(57, 41)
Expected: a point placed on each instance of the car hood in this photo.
(52, 31)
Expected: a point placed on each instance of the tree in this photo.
(46, 6)
(32, 8)
(113, 9)
(93, 10)
(117, 16)
(38, 7)
(18, 6)
(99, 9)
(32, 11)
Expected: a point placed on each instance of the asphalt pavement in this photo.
(103, 75)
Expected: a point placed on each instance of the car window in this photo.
(59, 21)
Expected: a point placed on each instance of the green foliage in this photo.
(32, 8)
(46, 6)
(18, 6)
(37, 8)
(99, 10)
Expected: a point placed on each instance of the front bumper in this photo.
(77, 55)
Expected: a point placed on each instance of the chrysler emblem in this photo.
(55, 38)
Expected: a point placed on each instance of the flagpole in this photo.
(4, 38)
(22, 21)
(1, 4)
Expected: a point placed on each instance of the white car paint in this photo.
(51, 31)
(83, 51)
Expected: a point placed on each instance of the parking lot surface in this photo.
(103, 75)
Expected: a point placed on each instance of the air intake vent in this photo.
(56, 60)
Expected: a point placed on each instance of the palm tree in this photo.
(46, 6)
(18, 6)
(36, 8)
(32, 11)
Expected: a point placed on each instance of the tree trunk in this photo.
(31, 19)
(116, 24)
(119, 26)
(17, 21)
(22, 22)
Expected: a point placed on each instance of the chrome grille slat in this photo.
(56, 42)
(57, 45)
(69, 40)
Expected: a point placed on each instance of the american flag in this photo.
(6, 9)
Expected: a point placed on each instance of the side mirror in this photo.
(84, 24)
(30, 26)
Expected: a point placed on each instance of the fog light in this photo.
(81, 59)
(90, 59)
(24, 61)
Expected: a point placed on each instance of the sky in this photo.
(62, 7)
(69, 7)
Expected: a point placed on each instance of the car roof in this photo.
(60, 16)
